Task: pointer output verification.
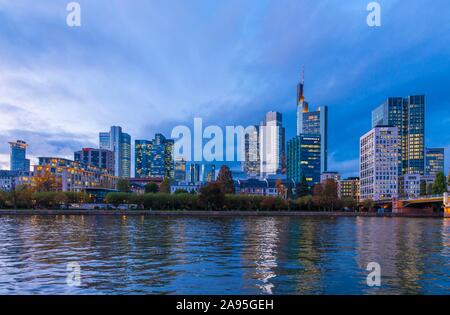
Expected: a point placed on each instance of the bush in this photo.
(118, 198)
(212, 197)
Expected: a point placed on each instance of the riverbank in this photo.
(214, 213)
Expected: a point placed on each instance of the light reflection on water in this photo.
(223, 255)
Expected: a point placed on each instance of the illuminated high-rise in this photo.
(120, 143)
(18, 159)
(252, 159)
(434, 161)
(154, 158)
(272, 145)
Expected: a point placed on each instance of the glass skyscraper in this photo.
(194, 173)
(304, 158)
(209, 172)
(180, 170)
(18, 159)
(313, 123)
(154, 158)
(434, 161)
(120, 143)
(252, 160)
(272, 145)
(408, 115)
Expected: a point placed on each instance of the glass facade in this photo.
(209, 173)
(180, 170)
(120, 143)
(252, 160)
(194, 173)
(304, 159)
(154, 158)
(101, 158)
(18, 159)
(272, 145)
(434, 158)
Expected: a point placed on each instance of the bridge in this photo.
(422, 204)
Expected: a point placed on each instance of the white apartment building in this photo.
(379, 164)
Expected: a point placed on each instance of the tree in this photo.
(47, 181)
(305, 202)
(302, 188)
(151, 188)
(429, 189)
(280, 188)
(212, 196)
(369, 204)
(440, 184)
(165, 186)
(350, 203)
(423, 187)
(181, 191)
(123, 185)
(225, 180)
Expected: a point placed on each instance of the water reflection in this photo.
(249, 255)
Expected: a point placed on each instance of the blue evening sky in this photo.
(151, 65)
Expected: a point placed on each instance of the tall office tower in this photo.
(18, 159)
(194, 173)
(379, 152)
(313, 123)
(142, 158)
(209, 172)
(272, 145)
(304, 158)
(252, 160)
(180, 170)
(434, 161)
(408, 115)
(154, 158)
(120, 143)
(100, 158)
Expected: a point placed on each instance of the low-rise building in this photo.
(11, 179)
(186, 186)
(330, 175)
(349, 188)
(260, 187)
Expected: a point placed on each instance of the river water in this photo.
(222, 255)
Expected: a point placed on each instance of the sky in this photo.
(149, 66)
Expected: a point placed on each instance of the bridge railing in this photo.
(423, 197)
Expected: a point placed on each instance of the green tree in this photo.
(181, 191)
(225, 180)
(212, 196)
(350, 203)
(302, 188)
(440, 184)
(369, 204)
(123, 185)
(151, 188)
(423, 188)
(429, 189)
(117, 198)
(165, 186)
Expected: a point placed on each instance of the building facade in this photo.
(272, 145)
(252, 159)
(100, 158)
(349, 188)
(408, 115)
(434, 161)
(180, 170)
(409, 186)
(209, 173)
(304, 159)
(379, 159)
(330, 175)
(18, 159)
(194, 173)
(120, 144)
(154, 158)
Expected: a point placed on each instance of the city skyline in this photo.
(58, 94)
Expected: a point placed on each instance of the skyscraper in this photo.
(209, 172)
(304, 158)
(272, 145)
(313, 123)
(434, 161)
(379, 152)
(100, 158)
(194, 173)
(18, 159)
(120, 143)
(252, 160)
(408, 115)
(154, 158)
(180, 170)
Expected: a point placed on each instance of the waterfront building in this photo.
(409, 186)
(434, 161)
(379, 159)
(304, 159)
(259, 187)
(272, 145)
(100, 158)
(209, 173)
(137, 184)
(252, 159)
(408, 115)
(18, 159)
(120, 143)
(349, 188)
(69, 175)
(11, 179)
(154, 158)
(313, 123)
(194, 173)
(330, 175)
(189, 187)
(180, 170)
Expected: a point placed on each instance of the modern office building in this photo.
(9, 180)
(349, 188)
(209, 173)
(252, 160)
(120, 143)
(434, 161)
(194, 173)
(18, 159)
(408, 115)
(313, 123)
(379, 159)
(100, 158)
(330, 175)
(180, 170)
(154, 158)
(409, 186)
(304, 158)
(272, 145)
(73, 176)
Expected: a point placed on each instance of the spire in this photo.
(300, 87)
